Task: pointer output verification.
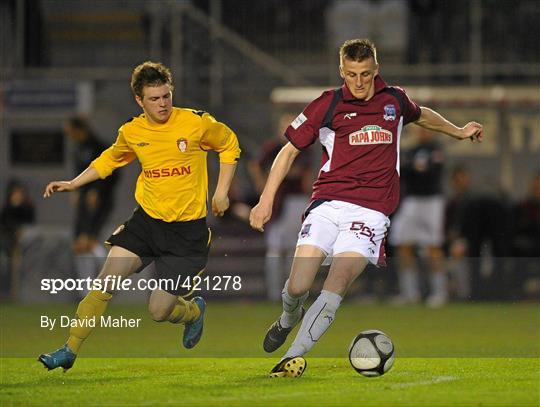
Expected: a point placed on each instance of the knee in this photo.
(158, 313)
(296, 290)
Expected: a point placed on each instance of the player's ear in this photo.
(341, 72)
(377, 69)
(138, 99)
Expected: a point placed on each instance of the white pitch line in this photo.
(435, 380)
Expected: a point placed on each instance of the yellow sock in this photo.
(92, 306)
(184, 311)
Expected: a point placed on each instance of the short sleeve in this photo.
(411, 111)
(219, 137)
(116, 156)
(304, 130)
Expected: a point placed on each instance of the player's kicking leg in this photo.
(120, 262)
(305, 265)
(164, 306)
(345, 268)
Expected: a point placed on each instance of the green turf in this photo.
(477, 355)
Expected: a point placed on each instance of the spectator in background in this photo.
(94, 202)
(489, 235)
(478, 226)
(418, 223)
(291, 199)
(527, 222)
(457, 224)
(18, 210)
(527, 239)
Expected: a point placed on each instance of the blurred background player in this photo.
(291, 199)
(169, 226)
(527, 242)
(419, 221)
(18, 211)
(357, 188)
(94, 202)
(457, 223)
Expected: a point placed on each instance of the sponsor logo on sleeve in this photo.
(370, 135)
(305, 230)
(301, 118)
(389, 113)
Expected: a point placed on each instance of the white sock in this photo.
(317, 320)
(439, 285)
(409, 284)
(292, 307)
(460, 272)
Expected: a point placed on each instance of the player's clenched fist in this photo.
(58, 186)
(220, 204)
(259, 215)
(474, 131)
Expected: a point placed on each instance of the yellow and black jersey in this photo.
(173, 183)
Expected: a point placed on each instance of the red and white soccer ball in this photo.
(371, 353)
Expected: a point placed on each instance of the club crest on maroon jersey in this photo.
(389, 113)
(181, 143)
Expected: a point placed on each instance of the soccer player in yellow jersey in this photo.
(169, 226)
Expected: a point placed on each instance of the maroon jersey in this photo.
(360, 140)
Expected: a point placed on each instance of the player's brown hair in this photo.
(150, 74)
(358, 50)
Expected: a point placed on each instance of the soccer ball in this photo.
(371, 353)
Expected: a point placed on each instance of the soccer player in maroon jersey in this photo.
(359, 126)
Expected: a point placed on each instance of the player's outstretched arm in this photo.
(262, 212)
(220, 200)
(432, 120)
(85, 177)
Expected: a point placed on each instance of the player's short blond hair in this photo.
(357, 50)
(150, 74)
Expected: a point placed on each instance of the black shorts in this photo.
(179, 249)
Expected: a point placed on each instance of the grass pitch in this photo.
(459, 355)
